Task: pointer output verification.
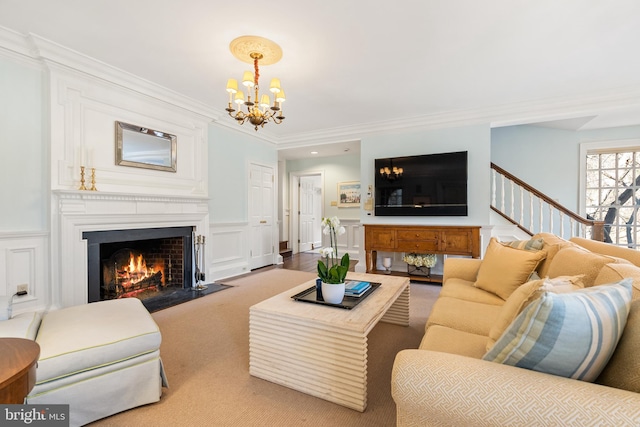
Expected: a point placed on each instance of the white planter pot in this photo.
(333, 293)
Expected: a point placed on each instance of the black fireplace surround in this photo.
(103, 244)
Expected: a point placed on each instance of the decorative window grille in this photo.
(611, 193)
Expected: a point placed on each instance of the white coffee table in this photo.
(321, 350)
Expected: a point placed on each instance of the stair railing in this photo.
(534, 212)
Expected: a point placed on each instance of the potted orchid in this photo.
(332, 273)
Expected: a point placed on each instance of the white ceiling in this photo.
(359, 65)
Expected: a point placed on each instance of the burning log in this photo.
(155, 280)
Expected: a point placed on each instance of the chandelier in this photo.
(257, 110)
(391, 173)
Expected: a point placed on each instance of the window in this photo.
(612, 180)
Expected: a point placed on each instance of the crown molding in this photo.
(496, 116)
(34, 49)
(52, 53)
(38, 51)
(14, 46)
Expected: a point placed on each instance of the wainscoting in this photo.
(24, 259)
(230, 249)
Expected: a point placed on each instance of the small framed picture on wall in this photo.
(349, 194)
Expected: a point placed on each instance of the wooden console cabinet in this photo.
(449, 240)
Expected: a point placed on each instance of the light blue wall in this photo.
(23, 151)
(335, 169)
(543, 157)
(476, 140)
(612, 134)
(548, 159)
(230, 154)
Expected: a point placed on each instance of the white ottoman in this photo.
(100, 358)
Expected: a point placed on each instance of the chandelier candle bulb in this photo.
(247, 79)
(232, 88)
(264, 102)
(274, 87)
(239, 98)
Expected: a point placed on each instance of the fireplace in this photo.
(142, 263)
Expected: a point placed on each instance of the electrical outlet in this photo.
(23, 288)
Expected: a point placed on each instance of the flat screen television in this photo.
(426, 185)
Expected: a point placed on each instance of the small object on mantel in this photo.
(93, 180)
(82, 186)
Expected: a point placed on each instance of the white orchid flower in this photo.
(335, 222)
(326, 251)
(341, 231)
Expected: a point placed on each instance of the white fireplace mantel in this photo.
(74, 212)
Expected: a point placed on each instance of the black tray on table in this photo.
(348, 302)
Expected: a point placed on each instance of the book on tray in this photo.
(355, 288)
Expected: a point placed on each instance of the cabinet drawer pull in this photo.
(263, 222)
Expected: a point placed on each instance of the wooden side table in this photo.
(18, 358)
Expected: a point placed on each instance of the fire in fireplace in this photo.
(140, 263)
(126, 274)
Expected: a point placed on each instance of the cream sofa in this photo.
(99, 358)
(447, 382)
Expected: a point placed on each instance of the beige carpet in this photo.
(205, 350)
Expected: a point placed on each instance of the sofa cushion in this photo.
(516, 302)
(529, 245)
(454, 341)
(462, 315)
(623, 370)
(573, 260)
(631, 255)
(614, 272)
(571, 334)
(88, 336)
(504, 268)
(23, 325)
(463, 289)
(550, 239)
(526, 294)
(552, 244)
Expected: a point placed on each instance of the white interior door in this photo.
(307, 211)
(306, 199)
(261, 216)
(310, 209)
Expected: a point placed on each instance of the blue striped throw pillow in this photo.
(571, 335)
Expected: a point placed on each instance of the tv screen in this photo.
(426, 185)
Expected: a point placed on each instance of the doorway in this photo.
(306, 202)
(261, 216)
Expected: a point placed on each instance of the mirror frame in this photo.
(126, 154)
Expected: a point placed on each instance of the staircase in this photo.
(285, 252)
(534, 212)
